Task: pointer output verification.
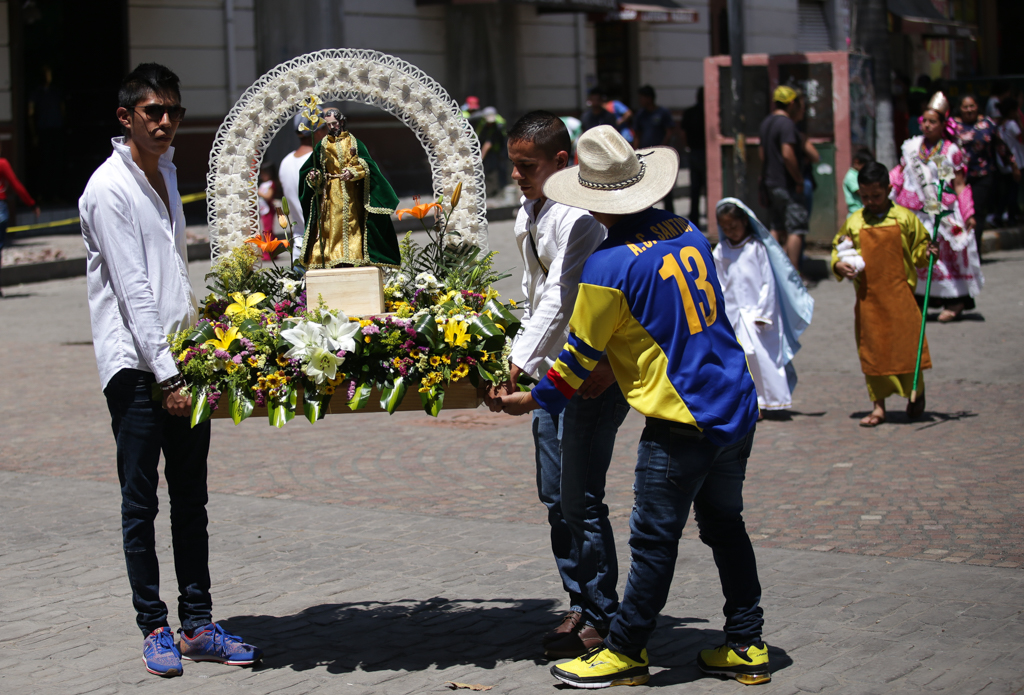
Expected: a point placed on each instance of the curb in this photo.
(1002, 239)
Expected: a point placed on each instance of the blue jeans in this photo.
(142, 428)
(676, 466)
(574, 451)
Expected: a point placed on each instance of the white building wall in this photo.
(188, 37)
(399, 27)
(672, 57)
(553, 60)
(771, 26)
(6, 111)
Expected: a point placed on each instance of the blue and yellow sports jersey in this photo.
(650, 297)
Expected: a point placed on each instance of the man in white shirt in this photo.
(574, 449)
(288, 175)
(139, 292)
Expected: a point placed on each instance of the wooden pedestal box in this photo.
(354, 291)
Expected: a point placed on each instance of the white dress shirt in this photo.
(564, 237)
(288, 175)
(137, 275)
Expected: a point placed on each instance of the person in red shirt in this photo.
(8, 181)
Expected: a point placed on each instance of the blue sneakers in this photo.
(211, 643)
(160, 655)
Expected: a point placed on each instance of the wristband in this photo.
(173, 384)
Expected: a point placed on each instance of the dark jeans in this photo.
(676, 466)
(142, 429)
(983, 188)
(574, 451)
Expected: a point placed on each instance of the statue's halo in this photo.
(367, 77)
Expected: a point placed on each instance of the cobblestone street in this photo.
(389, 555)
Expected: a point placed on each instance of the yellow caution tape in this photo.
(190, 198)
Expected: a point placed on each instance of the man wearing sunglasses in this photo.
(139, 292)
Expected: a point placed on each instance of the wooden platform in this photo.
(461, 395)
(354, 291)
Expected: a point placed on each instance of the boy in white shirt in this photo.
(574, 449)
(139, 292)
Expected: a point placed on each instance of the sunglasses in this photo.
(155, 112)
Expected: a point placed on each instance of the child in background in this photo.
(765, 301)
(851, 189)
(894, 244)
(265, 194)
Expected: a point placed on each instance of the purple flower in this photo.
(351, 389)
(221, 355)
(237, 359)
(372, 329)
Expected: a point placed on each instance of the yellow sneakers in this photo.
(748, 665)
(603, 668)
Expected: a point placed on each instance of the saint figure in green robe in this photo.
(347, 203)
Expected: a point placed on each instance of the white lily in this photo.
(932, 207)
(322, 365)
(339, 333)
(303, 338)
(427, 281)
(290, 287)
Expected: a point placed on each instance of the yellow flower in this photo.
(329, 389)
(224, 338)
(460, 371)
(338, 378)
(363, 323)
(435, 360)
(253, 361)
(282, 361)
(455, 333)
(230, 367)
(446, 359)
(366, 339)
(415, 354)
(512, 303)
(397, 361)
(245, 307)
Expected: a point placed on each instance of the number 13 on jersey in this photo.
(692, 261)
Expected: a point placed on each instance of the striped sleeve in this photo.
(595, 317)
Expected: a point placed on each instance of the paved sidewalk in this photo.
(356, 601)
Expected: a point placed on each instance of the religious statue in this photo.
(347, 203)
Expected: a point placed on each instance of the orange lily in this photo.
(418, 211)
(267, 243)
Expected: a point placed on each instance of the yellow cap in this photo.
(784, 94)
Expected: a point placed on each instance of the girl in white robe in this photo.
(765, 301)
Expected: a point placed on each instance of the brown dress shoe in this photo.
(575, 644)
(570, 625)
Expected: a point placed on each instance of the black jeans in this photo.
(983, 188)
(142, 429)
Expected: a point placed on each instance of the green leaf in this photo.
(249, 326)
(314, 405)
(493, 336)
(503, 317)
(281, 411)
(200, 335)
(391, 395)
(201, 409)
(361, 396)
(432, 400)
(426, 326)
(484, 374)
(240, 405)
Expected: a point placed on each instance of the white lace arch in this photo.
(368, 77)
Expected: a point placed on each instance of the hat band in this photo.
(616, 185)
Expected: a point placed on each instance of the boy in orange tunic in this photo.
(893, 243)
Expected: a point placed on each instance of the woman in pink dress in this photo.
(925, 161)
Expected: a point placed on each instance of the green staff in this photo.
(924, 307)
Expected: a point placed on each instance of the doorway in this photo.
(617, 59)
(67, 62)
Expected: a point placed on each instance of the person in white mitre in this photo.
(765, 301)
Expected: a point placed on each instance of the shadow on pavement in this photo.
(401, 635)
(929, 418)
(788, 415)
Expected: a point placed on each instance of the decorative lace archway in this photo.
(367, 77)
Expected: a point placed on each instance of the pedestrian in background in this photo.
(139, 293)
(851, 189)
(976, 135)
(8, 182)
(654, 127)
(782, 181)
(1013, 159)
(491, 131)
(595, 113)
(288, 175)
(693, 139)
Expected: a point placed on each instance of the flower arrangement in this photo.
(258, 344)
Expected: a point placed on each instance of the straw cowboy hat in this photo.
(611, 177)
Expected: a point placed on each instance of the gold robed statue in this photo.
(347, 203)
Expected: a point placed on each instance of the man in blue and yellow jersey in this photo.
(649, 298)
